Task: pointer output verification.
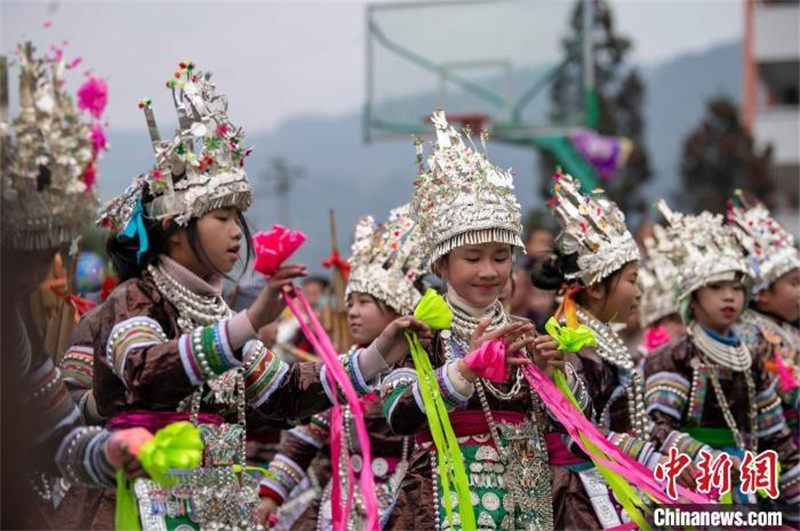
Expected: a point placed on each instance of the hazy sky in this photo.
(280, 59)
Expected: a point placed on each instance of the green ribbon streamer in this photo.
(434, 311)
(570, 339)
(623, 491)
(126, 515)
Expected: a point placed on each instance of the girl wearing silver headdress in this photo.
(774, 309)
(383, 285)
(596, 267)
(707, 390)
(166, 345)
(48, 193)
(470, 223)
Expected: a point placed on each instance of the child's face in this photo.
(782, 298)
(717, 305)
(617, 300)
(366, 317)
(219, 233)
(478, 273)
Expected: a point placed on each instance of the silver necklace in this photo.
(461, 329)
(194, 310)
(612, 349)
(735, 358)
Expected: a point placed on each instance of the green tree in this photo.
(621, 93)
(720, 156)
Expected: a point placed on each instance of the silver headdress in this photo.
(592, 226)
(48, 171)
(770, 248)
(386, 261)
(461, 198)
(199, 170)
(657, 279)
(702, 250)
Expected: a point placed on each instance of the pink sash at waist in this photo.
(473, 422)
(155, 420)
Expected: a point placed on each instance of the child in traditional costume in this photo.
(48, 194)
(658, 312)
(596, 266)
(384, 283)
(167, 347)
(774, 308)
(470, 223)
(707, 390)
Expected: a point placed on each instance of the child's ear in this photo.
(596, 292)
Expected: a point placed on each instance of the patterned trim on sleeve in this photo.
(635, 448)
(770, 412)
(452, 398)
(684, 444)
(394, 385)
(286, 475)
(82, 458)
(136, 332)
(77, 367)
(50, 403)
(264, 373)
(350, 362)
(206, 352)
(667, 392)
(790, 485)
(315, 433)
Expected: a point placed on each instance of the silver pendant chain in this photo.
(612, 349)
(726, 410)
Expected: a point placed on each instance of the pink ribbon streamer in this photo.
(576, 424)
(489, 361)
(336, 375)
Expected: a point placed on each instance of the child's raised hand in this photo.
(269, 304)
(546, 355)
(392, 344)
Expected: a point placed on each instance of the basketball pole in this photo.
(592, 104)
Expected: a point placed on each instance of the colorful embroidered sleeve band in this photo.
(770, 412)
(264, 373)
(82, 458)
(77, 367)
(134, 333)
(667, 392)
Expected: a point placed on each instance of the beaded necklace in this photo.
(712, 351)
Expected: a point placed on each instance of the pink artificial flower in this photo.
(89, 175)
(98, 138)
(48, 24)
(75, 62)
(93, 96)
(654, 337)
(274, 247)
